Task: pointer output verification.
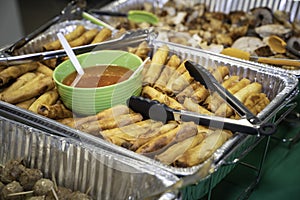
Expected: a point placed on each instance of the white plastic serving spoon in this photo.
(72, 57)
(139, 68)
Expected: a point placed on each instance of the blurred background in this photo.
(20, 17)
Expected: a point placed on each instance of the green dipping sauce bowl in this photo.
(90, 101)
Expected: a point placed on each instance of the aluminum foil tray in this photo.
(79, 166)
(225, 6)
(279, 86)
(65, 27)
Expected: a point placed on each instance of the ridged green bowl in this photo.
(89, 101)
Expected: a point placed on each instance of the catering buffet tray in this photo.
(78, 166)
(279, 86)
(223, 6)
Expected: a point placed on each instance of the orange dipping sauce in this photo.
(99, 76)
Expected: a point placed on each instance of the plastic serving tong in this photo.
(248, 123)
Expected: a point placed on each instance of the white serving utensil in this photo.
(72, 57)
(139, 68)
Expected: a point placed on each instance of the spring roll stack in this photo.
(167, 81)
(181, 144)
(30, 86)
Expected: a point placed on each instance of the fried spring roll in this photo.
(226, 111)
(26, 104)
(44, 70)
(181, 132)
(103, 35)
(158, 60)
(146, 67)
(187, 92)
(131, 129)
(175, 151)
(200, 94)
(13, 72)
(180, 70)
(50, 63)
(142, 50)
(256, 102)
(55, 111)
(220, 73)
(55, 45)
(129, 137)
(232, 80)
(215, 100)
(171, 66)
(84, 39)
(37, 86)
(153, 94)
(190, 105)
(232, 85)
(118, 141)
(48, 98)
(22, 80)
(145, 137)
(239, 85)
(109, 123)
(181, 82)
(244, 92)
(108, 113)
(204, 150)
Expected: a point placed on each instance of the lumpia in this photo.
(44, 70)
(48, 98)
(109, 123)
(22, 80)
(181, 82)
(84, 39)
(37, 86)
(158, 60)
(55, 45)
(181, 132)
(187, 92)
(103, 35)
(142, 50)
(204, 150)
(108, 113)
(13, 72)
(175, 151)
(190, 105)
(220, 73)
(55, 111)
(225, 110)
(151, 93)
(170, 68)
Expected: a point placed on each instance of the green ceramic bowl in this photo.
(89, 101)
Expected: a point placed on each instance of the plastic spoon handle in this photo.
(140, 67)
(70, 53)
